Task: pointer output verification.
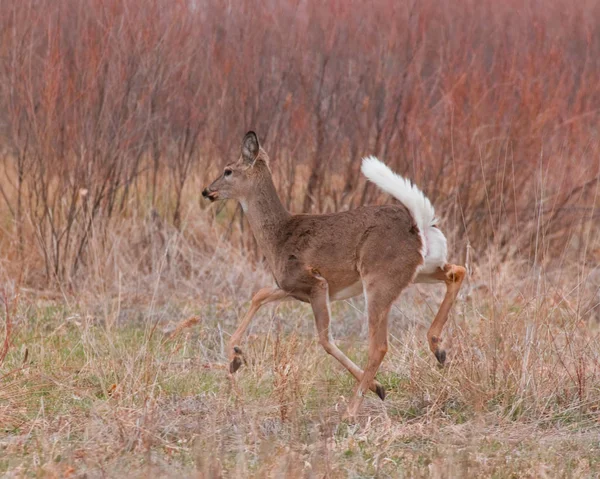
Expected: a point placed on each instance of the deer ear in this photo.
(250, 147)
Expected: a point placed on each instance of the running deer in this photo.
(372, 250)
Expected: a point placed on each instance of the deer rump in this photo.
(434, 246)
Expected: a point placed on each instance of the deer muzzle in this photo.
(211, 195)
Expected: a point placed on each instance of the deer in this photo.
(374, 250)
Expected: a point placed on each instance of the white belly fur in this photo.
(348, 292)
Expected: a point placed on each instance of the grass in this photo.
(125, 289)
(91, 396)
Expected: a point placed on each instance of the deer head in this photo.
(238, 179)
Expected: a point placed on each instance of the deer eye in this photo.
(227, 172)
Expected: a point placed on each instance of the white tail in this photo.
(435, 249)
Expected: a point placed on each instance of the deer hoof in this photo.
(380, 391)
(440, 355)
(235, 365)
(237, 361)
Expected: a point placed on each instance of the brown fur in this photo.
(318, 258)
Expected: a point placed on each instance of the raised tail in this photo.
(435, 249)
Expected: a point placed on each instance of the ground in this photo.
(131, 388)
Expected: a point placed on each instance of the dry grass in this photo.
(132, 381)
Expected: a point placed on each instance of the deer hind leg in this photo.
(453, 276)
(264, 296)
(379, 302)
(319, 300)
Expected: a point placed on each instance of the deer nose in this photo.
(211, 195)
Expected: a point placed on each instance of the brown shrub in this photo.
(113, 110)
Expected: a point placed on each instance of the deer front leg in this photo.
(453, 276)
(264, 296)
(319, 300)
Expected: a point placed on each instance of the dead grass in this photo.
(117, 385)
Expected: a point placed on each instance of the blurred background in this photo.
(114, 114)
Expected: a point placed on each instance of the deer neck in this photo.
(266, 215)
